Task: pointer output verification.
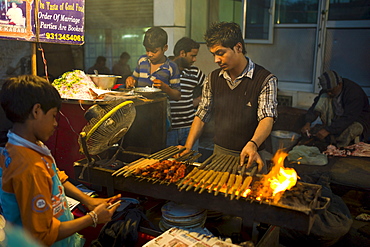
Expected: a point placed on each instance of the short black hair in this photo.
(155, 37)
(182, 63)
(185, 44)
(125, 55)
(19, 94)
(227, 34)
(101, 59)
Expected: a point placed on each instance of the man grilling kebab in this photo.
(241, 95)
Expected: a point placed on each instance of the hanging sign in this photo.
(55, 21)
(61, 21)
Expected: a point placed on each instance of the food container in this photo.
(105, 82)
(147, 91)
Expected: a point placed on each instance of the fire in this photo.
(284, 180)
(246, 193)
(278, 179)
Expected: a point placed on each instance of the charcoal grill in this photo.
(285, 213)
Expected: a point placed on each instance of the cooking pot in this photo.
(105, 82)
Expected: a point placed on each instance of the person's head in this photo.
(14, 5)
(331, 83)
(31, 97)
(225, 41)
(155, 43)
(187, 48)
(182, 62)
(124, 57)
(100, 61)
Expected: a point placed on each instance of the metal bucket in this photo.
(283, 139)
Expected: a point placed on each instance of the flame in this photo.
(245, 194)
(278, 179)
(284, 180)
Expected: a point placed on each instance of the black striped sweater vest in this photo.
(235, 111)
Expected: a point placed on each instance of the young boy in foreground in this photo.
(155, 68)
(32, 192)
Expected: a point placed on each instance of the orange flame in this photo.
(284, 180)
(278, 179)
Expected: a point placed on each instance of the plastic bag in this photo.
(307, 155)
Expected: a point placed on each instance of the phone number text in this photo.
(66, 37)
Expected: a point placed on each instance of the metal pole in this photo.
(33, 59)
(34, 44)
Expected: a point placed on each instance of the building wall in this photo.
(15, 58)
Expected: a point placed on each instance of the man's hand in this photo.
(306, 129)
(130, 82)
(187, 150)
(250, 151)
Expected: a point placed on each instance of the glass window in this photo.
(296, 11)
(340, 10)
(204, 12)
(198, 19)
(258, 23)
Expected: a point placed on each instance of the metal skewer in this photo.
(246, 182)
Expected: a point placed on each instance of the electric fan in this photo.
(107, 124)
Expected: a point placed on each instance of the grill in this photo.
(296, 209)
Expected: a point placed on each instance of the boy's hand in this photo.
(104, 213)
(174, 94)
(113, 199)
(158, 83)
(130, 82)
(94, 202)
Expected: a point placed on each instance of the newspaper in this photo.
(175, 237)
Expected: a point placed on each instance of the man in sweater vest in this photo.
(241, 95)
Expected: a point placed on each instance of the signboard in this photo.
(48, 21)
(61, 21)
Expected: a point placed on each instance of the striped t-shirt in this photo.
(182, 111)
(168, 72)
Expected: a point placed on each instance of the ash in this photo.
(302, 196)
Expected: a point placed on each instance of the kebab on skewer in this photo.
(195, 172)
(225, 175)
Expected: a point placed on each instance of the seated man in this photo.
(343, 108)
(99, 66)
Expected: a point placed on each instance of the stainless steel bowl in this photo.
(105, 82)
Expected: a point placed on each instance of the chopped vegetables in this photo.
(74, 85)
